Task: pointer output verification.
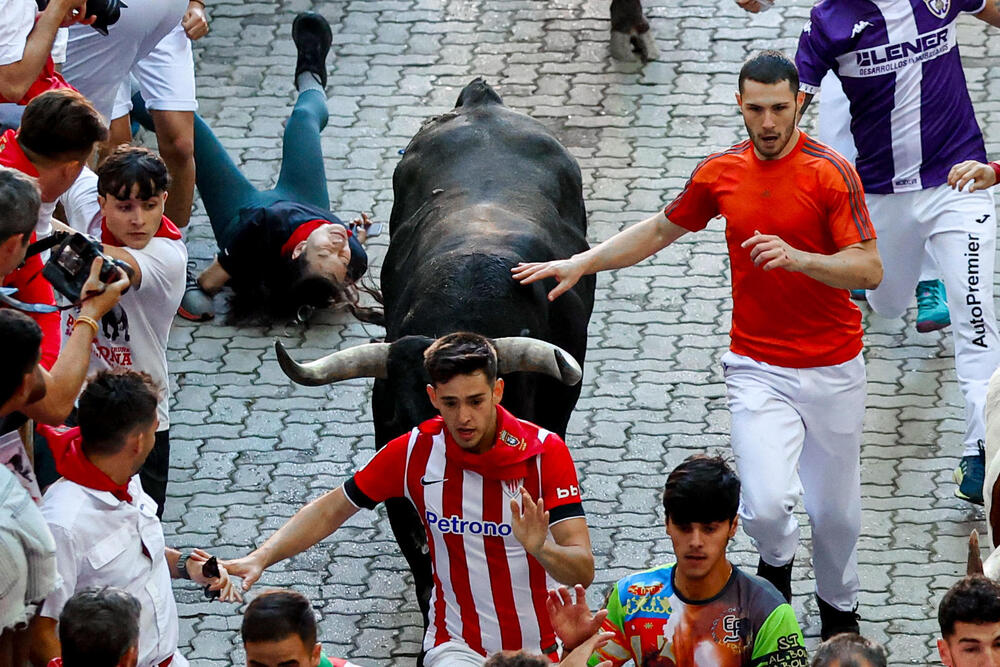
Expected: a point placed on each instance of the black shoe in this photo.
(835, 622)
(312, 36)
(780, 576)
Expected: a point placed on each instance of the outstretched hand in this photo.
(566, 271)
(770, 252)
(579, 656)
(979, 176)
(571, 619)
(249, 568)
(529, 522)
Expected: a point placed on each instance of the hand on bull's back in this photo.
(566, 271)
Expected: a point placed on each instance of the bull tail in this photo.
(975, 562)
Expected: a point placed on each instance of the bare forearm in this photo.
(851, 268)
(310, 525)
(632, 245)
(16, 78)
(990, 13)
(44, 641)
(66, 378)
(567, 564)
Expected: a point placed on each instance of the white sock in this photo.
(308, 81)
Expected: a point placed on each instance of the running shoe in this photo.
(932, 306)
(196, 304)
(970, 475)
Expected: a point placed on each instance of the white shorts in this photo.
(97, 65)
(165, 77)
(453, 653)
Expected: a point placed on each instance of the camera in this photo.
(69, 264)
(107, 12)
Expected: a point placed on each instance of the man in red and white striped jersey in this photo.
(500, 503)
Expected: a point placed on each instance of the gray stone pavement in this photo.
(249, 447)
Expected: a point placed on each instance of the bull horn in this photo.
(520, 353)
(975, 561)
(360, 361)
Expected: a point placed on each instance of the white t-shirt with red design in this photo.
(489, 593)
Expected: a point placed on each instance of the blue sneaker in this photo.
(859, 295)
(970, 476)
(932, 306)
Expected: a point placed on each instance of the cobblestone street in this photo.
(249, 448)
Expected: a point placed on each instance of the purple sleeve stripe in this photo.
(732, 150)
(859, 210)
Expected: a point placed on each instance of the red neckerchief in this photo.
(509, 456)
(167, 230)
(12, 156)
(302, 233)
(66, 446)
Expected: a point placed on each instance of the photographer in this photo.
(26, 37)
(105, 526)
(132, 189)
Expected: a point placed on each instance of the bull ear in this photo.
(531, 355)
(369, 360)
(975, 562)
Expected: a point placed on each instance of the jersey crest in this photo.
(938, 8)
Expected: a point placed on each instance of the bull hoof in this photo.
(621, 46)
(646, 46)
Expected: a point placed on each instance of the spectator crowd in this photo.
(94, 266)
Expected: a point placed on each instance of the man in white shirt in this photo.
(105, 527)
(132, 189)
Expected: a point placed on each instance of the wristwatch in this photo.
(182, 572)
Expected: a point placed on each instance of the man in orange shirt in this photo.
(799, 238)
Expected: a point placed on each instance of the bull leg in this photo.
(631, 38)
(412, 540)
(621, 46)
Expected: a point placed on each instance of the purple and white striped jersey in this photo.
(898, 61)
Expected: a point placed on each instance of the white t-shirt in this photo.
(83, 211)
(133, 335)
(18, 21)
(100, 541)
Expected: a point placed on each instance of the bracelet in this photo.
(89, 321)
(995, 166)
(182, 572)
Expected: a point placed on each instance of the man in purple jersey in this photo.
(912, 119)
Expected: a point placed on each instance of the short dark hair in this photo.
(276, 615)
(974, 599)
(19, 203)
(97, 626)
(849, 649)
(517, 659)
(61, 125)
(770, 67)
(114, 404)
(460, 353)
(22, 345)
(131, 166)
(702, 489)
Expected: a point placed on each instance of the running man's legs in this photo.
(830, 470)
(767, 439)
(901, 243)
(963, 245)
(303, 175)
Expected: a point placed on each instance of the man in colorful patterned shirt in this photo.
(701, 610)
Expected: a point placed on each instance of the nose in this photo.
(769, 119)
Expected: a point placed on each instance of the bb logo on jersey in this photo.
(939, 8)
(572, 491)
(459, 526)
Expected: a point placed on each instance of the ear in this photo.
(299, 248)
(102, 201)
(163, 197)
(733, 527)
(800, 98)
(944, 652)
(20, 396)
(739, 101)
(131, 657)
(317, 655)
(498, 390)
(432, 395)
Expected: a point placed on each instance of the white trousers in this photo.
(453, 653)
(796, 433)
(97, 64)
(958, 231)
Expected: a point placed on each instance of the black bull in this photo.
(478, 190)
